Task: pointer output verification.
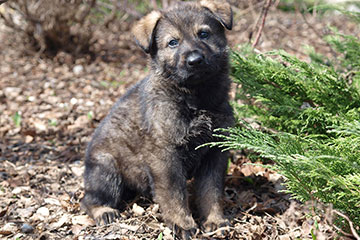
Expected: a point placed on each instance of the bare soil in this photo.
(59, 102)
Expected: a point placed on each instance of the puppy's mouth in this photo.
(196, 76)
(192, 76)
(200, 74)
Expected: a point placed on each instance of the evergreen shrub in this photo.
(309, 117)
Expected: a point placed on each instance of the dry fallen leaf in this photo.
(138, 211)
(82, 220)
(52, 201)
(8, 228)
(76, 229)
(64, 219)
(29, 139)
(42, 213)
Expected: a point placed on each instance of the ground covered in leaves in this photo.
(50, 107)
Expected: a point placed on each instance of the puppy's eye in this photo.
(204, 35)
(173, 43)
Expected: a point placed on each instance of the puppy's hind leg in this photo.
(104, 188)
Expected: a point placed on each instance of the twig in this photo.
(242, 12)
(342, 232)
(112, 15)
(314, 8)
(265, 11)
(86, 12)
(128, 8)
(165, 4)
(353, 231)
(209, 234)
(10, 23)
(154, 4)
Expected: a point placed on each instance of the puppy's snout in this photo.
(194, 59)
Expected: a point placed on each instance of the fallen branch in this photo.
(264, 14)
(353, 231)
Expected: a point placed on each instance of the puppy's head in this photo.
(187, 42)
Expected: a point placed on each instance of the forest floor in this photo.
(50, 107)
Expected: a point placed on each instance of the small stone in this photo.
(138, 211)
(12, 92)
(78, 171)
(16, 190)
(73, 101)
(29, 139)
(167, 234)
(43, 211)
(31, 98)
(78, 69)
(9, 228)
(40, 125)
(27, 228)
(4, 175)
(52, 201)
(155, 208)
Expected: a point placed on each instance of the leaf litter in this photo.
(49, 109)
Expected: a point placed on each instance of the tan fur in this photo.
(143, 29)
(221, 9)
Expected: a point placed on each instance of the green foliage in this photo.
(309, 116)
(349, 48)
(291, 95)
(17, 119)
(316, 169)
(160, 237)
(53, 122)
(292, 5)
(90, 115)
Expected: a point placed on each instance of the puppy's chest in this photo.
(200, 121)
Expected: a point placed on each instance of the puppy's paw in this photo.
(105, 215)
(185, 234)
(213, 224)
(185, 227)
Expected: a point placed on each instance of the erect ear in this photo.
(143, 30)
(221, 10)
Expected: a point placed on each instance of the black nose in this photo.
(194, 59)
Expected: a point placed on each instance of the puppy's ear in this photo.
(143, 30)
(221, 10)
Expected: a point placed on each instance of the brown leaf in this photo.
(76, 229)
(82, 220)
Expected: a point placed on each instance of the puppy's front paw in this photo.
(105, 215)
(185, 227)
(185, 234)
(213, 224)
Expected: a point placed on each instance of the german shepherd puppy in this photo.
(147, 143)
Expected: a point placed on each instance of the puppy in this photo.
(148, 142)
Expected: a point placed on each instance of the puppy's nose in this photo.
(194, 59)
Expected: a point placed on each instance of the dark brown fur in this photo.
(147, 142)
